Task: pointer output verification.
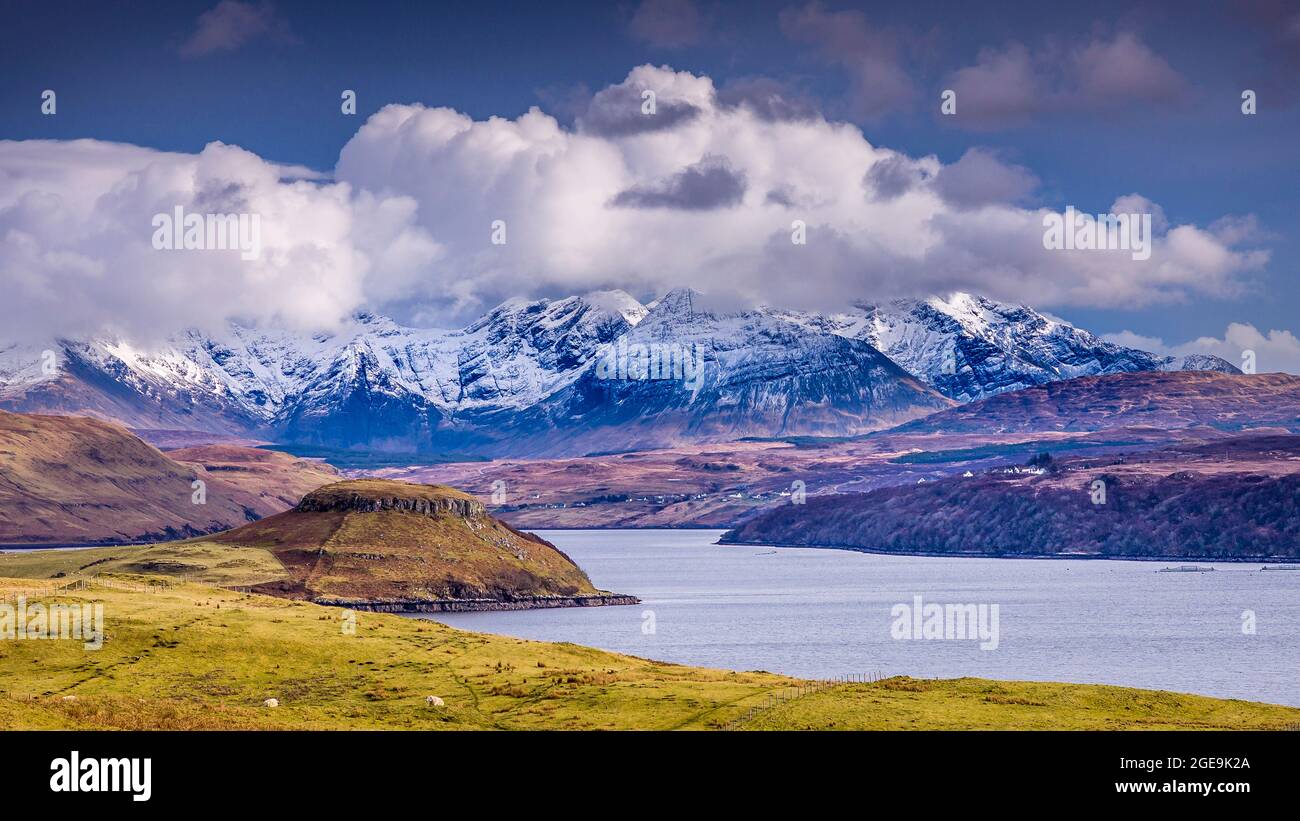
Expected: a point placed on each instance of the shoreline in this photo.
(471, 604)
(480, 605)
(16, 547)
(1087, 556)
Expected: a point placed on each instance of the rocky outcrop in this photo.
(476, 605)
(328, 499)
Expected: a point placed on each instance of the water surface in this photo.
(812, 612)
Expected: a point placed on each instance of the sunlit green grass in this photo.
(189, 656)
(979, 704)
(194, 560)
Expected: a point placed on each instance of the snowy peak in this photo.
(617, 302)
(526, 371)
(740, 374)
(969, 347)
(980, 315)
(677, 306)
(555, 336)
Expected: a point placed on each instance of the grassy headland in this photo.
(363, 543)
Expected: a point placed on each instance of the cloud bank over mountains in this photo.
(702, 191)
(1275, 351)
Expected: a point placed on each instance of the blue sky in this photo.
(269, 81)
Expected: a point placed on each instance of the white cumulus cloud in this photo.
(697, 190)
(77, 253)
(703, 193)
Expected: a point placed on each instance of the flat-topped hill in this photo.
(375, 495)
(379, 544)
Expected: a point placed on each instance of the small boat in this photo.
(1186, 568)
(1281, 567)
(768, 553)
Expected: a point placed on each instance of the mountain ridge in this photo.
(521, 379)
(970, 347)
(1152, 399)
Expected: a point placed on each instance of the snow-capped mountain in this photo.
(372, 383)
(398, 388)
(533, 377)
(969, 347)
(744, 374)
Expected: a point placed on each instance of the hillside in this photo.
(366, 544)
(1181, 399)
(1235, 499)
(72, 480)
(376, 544)
(187, 657)
(721, 485)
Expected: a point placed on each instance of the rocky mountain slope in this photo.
(525, 378)
(371, 380)
(970, 347)
(745, 374)
(1165, 400)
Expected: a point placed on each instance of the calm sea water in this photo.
(810, 612)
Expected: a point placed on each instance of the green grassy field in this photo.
(191, 656)
(979, 704)
(196, 560)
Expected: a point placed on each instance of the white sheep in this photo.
(433, 701)
(271, 702)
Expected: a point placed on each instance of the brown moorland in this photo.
(725, 484)
(1235, 499)
(75, 480)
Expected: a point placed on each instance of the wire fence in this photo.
(788, 694)
(37, 588)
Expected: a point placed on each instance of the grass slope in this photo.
(979, 704)
(198, 561)
(66, 479)
(196, 657)
(188, 656)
